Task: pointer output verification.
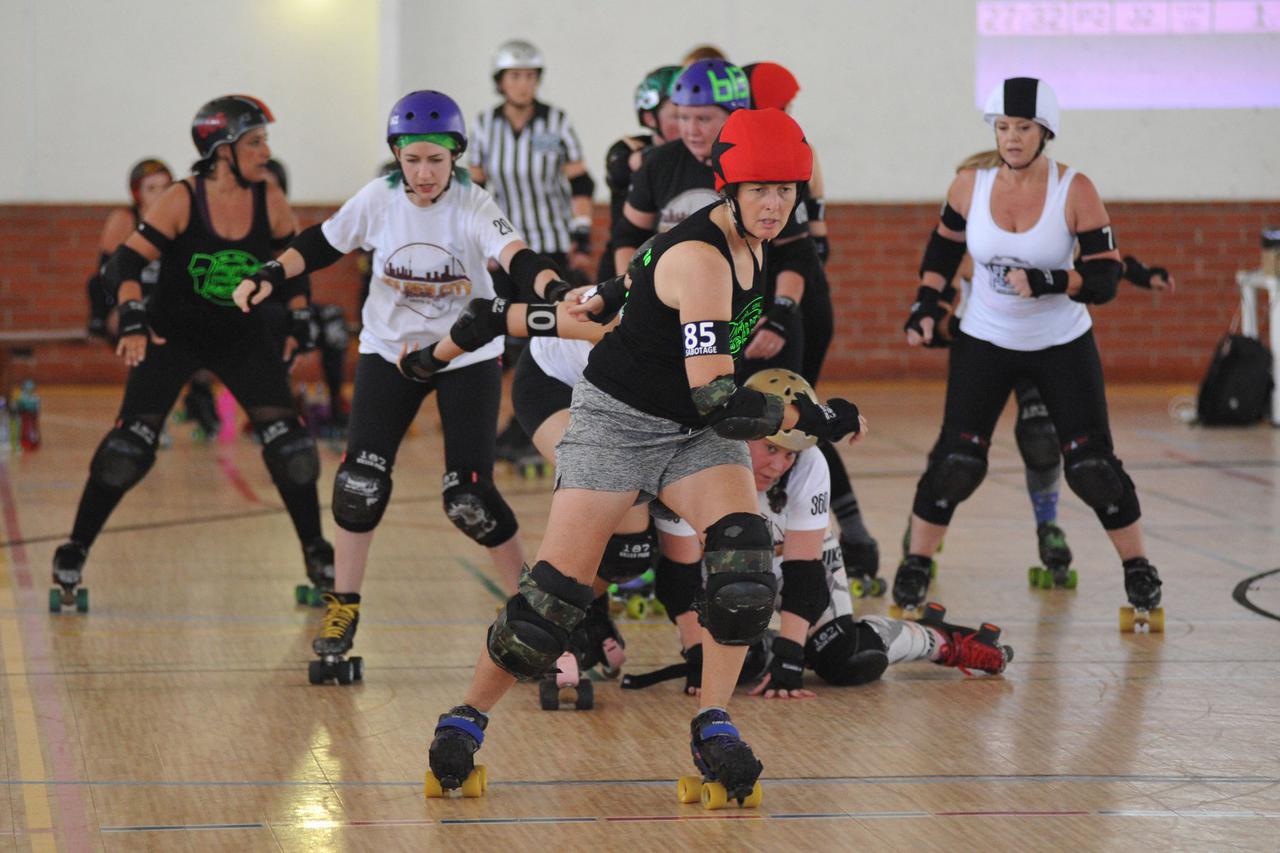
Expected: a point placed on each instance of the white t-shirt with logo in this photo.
(428, 262)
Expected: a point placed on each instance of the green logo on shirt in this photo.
(216, 276)
(741, 327)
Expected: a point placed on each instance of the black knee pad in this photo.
(1095, 474)
(844, 653)
(741, 587)
(956, 471)
(533, 630)
(805, 591)
(125, 455)
(677, 585)
(361, 491)
(475, 507)
(628, 555)
(1037, 439)
(290, 453)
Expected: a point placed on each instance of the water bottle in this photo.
(29, 416)
(4, 425)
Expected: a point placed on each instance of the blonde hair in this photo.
(981, 160)
(703, 51)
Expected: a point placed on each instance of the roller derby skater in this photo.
(189, 323)
(1024, 321)
(429, 200)
(672, 432)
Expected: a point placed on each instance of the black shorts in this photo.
(535, 395)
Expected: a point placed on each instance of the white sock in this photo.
(907, 641)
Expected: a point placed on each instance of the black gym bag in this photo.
(1237, 388)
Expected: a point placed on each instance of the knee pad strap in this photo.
(477, 509)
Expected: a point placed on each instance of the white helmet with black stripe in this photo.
(517, 53)
(1024, 97)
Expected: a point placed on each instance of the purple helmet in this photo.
(712, 83)
(427, 111)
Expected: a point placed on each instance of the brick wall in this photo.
(46, 253)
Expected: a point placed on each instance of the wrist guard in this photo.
(580, 234)
(926, 306)
(1046, 282)
(132, 318)
(832, 421)
(786, 667)
(420, 365)
(479, 323)
(614, 294)
(778, 318)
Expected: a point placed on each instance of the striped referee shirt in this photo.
(525, 172)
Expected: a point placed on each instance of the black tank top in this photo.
(641, 362)
(200, 271)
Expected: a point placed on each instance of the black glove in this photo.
(1140, 275)
(823, 245)
(786, 668)
(420, 365)
(580, 234)
(614, 294)
(926, 305)
(272, 273)
(832, 421)
(555, 290)
(693, 675)
(303, 329)
(132, 316)
(778, 318)
(1046, 282)
(479, 323)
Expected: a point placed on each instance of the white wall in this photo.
(887, 92)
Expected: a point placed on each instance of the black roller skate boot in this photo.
(1055, 559)
(1142, 586)
(68, 565)
(862, 565)
(336, 637)
(967, 648)
(729, 768)
(911, 585)
(452, 757)
(318, 556)
(201, 410)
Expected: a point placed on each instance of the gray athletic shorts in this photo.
(612, 447)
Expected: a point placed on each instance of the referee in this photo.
(527, 154)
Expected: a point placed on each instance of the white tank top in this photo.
(560, 358)
(994, 312)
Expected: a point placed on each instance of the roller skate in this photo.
(862, 565)
(966, 648)
(529, 464)
(318, 555)
(910, 586)
(729, 768)
(1142, 585)
(906, 550)
(337, 635)
(566, 686)
(68, 564)
(635, 597)
(1055, 560)
(451, 760)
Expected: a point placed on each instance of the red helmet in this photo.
(771, 85)
(760, 146)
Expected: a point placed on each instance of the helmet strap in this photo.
(234, 163)
(1044, 137)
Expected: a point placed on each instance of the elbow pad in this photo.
(582, 185)
(1101, 278)
(316, 250)
(738, 413)
(942, 256)
(125, 264)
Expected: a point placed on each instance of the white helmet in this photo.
(1024, 97)
(516, 54)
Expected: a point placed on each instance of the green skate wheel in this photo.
(878, 587)
(55, 600)
(301, 593)
(1046, 579)
(1072, 579)
(637, 607)
(657, 608)
(82, 600)
(1033, 576)
(315, 596)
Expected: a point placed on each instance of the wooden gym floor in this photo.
(176, 715)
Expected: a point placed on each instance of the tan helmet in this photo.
(787, 385)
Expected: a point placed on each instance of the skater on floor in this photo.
(658, 415)
(1026, 319)
(417, 292)
(191, 323)
(817, 629)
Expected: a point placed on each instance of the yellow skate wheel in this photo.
(714, 796)
(475, 783)
(689, 789)
(1155, 622)
(1126, 620)
(757, 797)
(856, 589)
(637, 607)
(431, 787)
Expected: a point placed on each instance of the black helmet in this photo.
(226, 119)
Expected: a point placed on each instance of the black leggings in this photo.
(255, 375)
(385, 403)
(980, 377)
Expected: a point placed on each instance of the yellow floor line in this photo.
(35, 798)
